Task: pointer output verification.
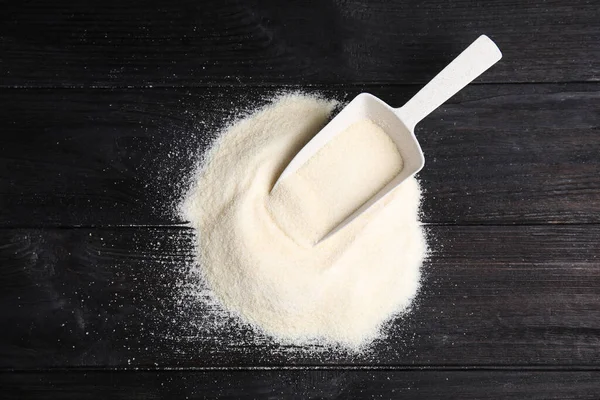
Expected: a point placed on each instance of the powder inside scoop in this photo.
(338, 179)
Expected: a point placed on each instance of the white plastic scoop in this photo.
(399, 123)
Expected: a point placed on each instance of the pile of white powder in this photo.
(255, 249)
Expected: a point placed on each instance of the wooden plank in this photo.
(189, 43)
(505, 295)
(304, 384)
(497, 154)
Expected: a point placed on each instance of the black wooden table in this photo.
(103, 106)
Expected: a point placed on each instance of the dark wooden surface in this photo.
(189, 42)
(496, 154)
(105, 105)
(303, 384)
(105, 297)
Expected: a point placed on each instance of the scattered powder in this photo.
(340, 291)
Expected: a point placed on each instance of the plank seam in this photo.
(275, 85)
(406, 368)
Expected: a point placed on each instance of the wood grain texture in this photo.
(190, 43)
(431, 385)
(496, 154)
(513, 296)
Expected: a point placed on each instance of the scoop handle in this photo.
(472, 62)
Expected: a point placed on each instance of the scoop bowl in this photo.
(399, 123)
